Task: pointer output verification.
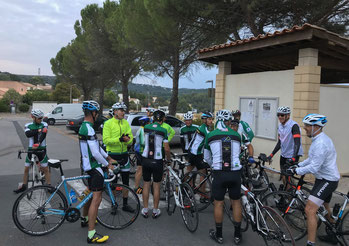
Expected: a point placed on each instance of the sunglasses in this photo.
(281, 115)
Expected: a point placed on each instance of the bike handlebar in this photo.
(112, 174)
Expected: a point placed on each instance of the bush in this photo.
(4, 107)
(23, 107)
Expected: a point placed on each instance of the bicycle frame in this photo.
(175, 182)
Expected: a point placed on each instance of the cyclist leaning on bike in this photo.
(93, 157)
(117, 135)
(321, 162)
(36, 131)
(222, 150)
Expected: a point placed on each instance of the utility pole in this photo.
(211, 94)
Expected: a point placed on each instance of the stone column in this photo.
(224, 68)
(306, 89)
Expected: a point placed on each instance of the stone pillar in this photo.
(306, 89)
(224, 68)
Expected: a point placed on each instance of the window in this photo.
(135, 121)
(173, 122)
(57, 110)
(260, 114)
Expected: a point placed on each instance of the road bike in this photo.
(48, 207)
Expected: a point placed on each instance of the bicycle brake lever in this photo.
(19, 155)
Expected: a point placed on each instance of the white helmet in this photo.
(315, 119)
(150, 110)
(119, 105)
(224, 115)
(283, 110)
(188, 116)
(111, 112)
(37, 113)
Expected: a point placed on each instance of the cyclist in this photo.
(117, 135)
(169, 129)
(244, 140)
(196, 146)
(289, 142)
(93, 157)
(139, 147)
(243, 126)
(321, 162)
(150, 112)
(36, 131)
(152, 161)
(187, 132)
(222, 149)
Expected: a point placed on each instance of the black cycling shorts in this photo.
(283, 164)
(226, 180)
(152, 167)
(323, 190)
(96, 180)
(138, 158)
(197, 161)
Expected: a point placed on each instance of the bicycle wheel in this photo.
(189, 210)
(344, 228)
(31, 180)
(112, 215)
(294, 215)
(32, 217)
(274, 229)
(229, 212)
(171, 203)
(201, 186)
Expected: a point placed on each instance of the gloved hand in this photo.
(291, 170)
(122, 138)
(44, 130)
(251, 159)
(270, 157)
(291, 161)
(35, 146)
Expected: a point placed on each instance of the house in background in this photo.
(304, 67)
(21, 87)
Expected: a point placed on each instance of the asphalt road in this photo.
(63, 144)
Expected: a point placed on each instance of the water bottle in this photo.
(247, 206)
(72, 195)
(335, 211)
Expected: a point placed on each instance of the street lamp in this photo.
(211, 94)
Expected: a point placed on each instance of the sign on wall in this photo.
(260, 114)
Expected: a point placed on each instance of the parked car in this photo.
(62, 112)
(75, 123)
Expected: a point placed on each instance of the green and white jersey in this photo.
(197, 143)
(154, 137)
(222, 149)
(31, 130)
(186, 135)
(245, 129)
(92, 155)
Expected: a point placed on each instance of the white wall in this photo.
(334, 103)
(263, 84)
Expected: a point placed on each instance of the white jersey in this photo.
(286, 139)
(322, 159)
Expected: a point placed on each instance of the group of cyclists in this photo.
(215, 146)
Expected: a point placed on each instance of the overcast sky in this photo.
(33, 31)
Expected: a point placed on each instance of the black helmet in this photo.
(158, 115)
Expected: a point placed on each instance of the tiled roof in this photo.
(267, 36)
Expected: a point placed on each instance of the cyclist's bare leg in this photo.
(237, 211)
(93, 210)
(86, 208)
(138, 176)
(145, 194)
(218, 211)
(328, 215)
(156, 195)
(310, 210)
(203, 186)
(25, 176)
(47, 175)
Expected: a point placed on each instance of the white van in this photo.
(62, 112)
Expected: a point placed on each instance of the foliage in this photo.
(36, 95)
(12, 96)
(183, 106)
(4, 107)
(36, 80)
(23, 107)
(133, 105)
(197, 121)
(62, 92)
(110, 98)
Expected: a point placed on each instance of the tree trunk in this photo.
(124, 84)
(174, 96)
(101, 98)
(87, 93)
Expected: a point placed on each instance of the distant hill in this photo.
(26, 78)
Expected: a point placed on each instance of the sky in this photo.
(33, 31)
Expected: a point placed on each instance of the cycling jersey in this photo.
(321, 161)
(245, 129)
(197, 143)
(139, 145)
(170, 131)
(92, 155)
(31, 130)
(154, 136)
(186, 135)
(222, 149)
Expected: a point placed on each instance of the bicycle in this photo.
(35, 175)
(265, 220)
(291, 207)
(181, 195)
(49, 207)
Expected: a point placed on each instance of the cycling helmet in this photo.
(224, 115)
(283, 110)
(159, 115)
(111, 112)
(188, 116)
(144, 120)
(150, 110)
(37, 113)
(90, 105)
(236, 112)
(119, 105)
(315, 119)
(206, 115)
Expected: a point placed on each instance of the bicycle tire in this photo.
(344, 228)
(275, 229)
(30, 208)
(189, 211)
(113, 216)
(295, 217)
(193, 178)
(229, 212)
(171, 203)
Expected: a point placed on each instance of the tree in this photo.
(133, 105)
(36, 95)
(12, 96)
(183, 106)
(36, 80)
(62, 92)
(110, 98)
